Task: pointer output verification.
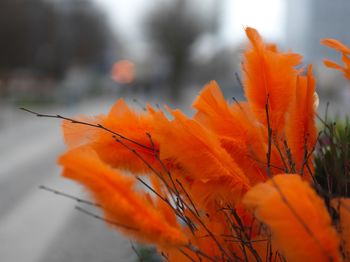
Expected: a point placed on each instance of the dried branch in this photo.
(86, 212)
(269, 137)
(136, 252)
(79, 200)
(74, 121)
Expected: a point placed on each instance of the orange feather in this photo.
(124, 121)
(268, 73)
(337, 45)
(119, 200)
(342, 207)
(301, 126)
(238, 132)
(197, 153)
(77, 134)
(297, 218)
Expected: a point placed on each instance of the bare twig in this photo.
(186, 255)
(238, 79)
(289, 156)
(136, 101)
(238, 103)
(200, 252)
(79, 200)
(86, 212)
(74, 121)
(188, 197)
(275, 142)
(136, 252)
(269, 137)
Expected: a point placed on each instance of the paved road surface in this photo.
(35, 225)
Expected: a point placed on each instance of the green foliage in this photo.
(332, 165)
(147, 254)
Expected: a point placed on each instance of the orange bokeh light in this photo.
(123, 72)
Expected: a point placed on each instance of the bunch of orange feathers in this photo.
(233, 183)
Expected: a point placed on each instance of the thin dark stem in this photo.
(136, 252)
(86, 212)
(235, 232)
(238, 103)
(200, 252)
(305, 161)
(298, 217)
(188, 197)
(180, 203)
(156, 172)
(281, 155)
(212, 236)
(152, 190)
(159, 175)
(264, 164)
(136, 101)
(305, 158)
(74, 121)
(269, 135)
(176, 211)
(79, 200)
(246, 236)
(186, 255)
(165, 169)
(289, 156)
(239, 81)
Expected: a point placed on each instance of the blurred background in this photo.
(78, 56)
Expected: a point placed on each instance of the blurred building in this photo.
(308, 21)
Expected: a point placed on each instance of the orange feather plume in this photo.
(119, 200)
(125, 122)
(202, 162)
(297, 218)
(335, 44)
(300, 125)
(236, 129)
(218, 161)
(338, 46)
(342, 207)
(271, 75)
(134, 126)
(75, 135)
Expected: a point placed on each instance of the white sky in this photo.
(265, 15)
(126, 15)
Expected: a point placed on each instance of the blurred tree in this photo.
(47, 38)
(24, 32)
(81, 35)
(173, 29)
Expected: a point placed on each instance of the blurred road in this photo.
(35, 225)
